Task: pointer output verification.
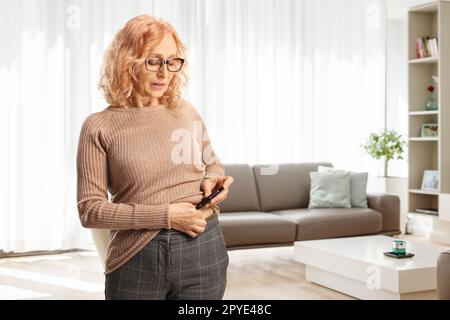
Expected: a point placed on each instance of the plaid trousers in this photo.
(174, 265)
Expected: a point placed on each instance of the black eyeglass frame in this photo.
(162, 62)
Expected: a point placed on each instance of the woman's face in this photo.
(155, 83)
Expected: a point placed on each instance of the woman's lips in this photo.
(158, 86)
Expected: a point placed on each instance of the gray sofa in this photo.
(443, 275)
(271, 210)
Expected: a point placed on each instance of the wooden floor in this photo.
(269, 273)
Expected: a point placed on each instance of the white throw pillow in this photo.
(358, 186)
(329, 190)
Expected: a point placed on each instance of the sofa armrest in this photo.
(389, 206)
(443, 276)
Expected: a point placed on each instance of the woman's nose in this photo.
(163, 71)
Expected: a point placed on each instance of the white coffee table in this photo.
(356, 266)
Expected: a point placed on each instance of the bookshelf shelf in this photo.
(425, 60)
(423, 113)
(423, 139)
(428, 212)
(429, 21)
(420, 191)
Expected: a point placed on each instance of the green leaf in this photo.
(388, 145)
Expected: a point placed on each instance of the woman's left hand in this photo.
(212, 184)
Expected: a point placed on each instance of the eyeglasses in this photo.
(155, 64)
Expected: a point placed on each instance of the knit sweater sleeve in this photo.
(213, 165)
(94, 209)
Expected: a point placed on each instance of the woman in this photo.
(146, 149)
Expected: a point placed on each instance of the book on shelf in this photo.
(427, 47)
(427, 211)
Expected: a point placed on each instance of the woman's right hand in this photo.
(185, 218)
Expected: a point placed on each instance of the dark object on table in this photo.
(398, 256)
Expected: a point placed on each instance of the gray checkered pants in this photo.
(174, 265)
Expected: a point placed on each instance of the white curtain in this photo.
(275, 80)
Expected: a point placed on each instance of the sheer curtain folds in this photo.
(275, 81)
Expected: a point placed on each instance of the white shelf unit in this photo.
(429, 153)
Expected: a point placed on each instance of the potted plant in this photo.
(387, 145)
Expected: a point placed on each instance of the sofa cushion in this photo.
(329, 190)
(288, 188)
(358, 186)
(333, 222)
(256, 228)
(242, 195)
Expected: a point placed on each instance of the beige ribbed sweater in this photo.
(146, 158)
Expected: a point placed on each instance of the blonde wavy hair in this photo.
(127, 53)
